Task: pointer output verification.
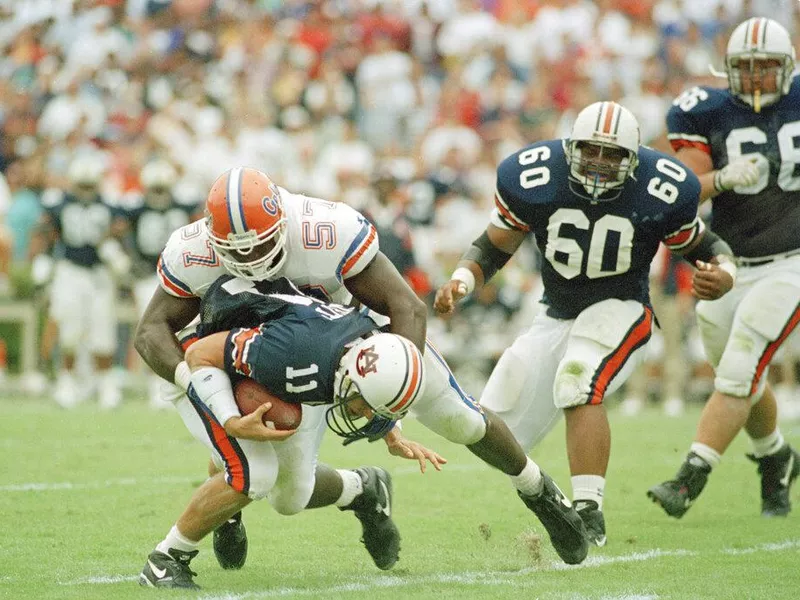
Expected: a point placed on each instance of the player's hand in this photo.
(710, 281)
(405, 448)
(251, 427)
(742, 171)
(448, 296)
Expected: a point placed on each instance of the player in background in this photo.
(306, 351)
(742, 143)
(83, 293)
(598, 205)
(258, 231)
(150, 219)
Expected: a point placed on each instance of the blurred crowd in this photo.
(400, 108)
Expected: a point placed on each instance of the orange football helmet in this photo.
(246, 223)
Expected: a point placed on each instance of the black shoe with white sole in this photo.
(563, 524)
(778, 472)
(592, 517)
(374, 509)
(230, 543)
(169, 570)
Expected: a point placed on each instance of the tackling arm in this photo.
(155, 339)
(381, 287)
(487, 255)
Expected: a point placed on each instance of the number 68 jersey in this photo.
(595, 251)
(761, 219)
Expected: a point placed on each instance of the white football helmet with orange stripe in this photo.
(246, 223)
(759, 39)
(602, 149)
(386, 371)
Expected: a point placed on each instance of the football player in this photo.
(306, 351)
(151, 219)
(258, 231)
(82, 293)
(598, 205)
(742, 143)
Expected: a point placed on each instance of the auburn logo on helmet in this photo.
(366, 361)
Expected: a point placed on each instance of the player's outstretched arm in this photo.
(381, 287)
(487, 255)
(406, 448)
(155, 339)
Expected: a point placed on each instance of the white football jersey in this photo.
(326, 243)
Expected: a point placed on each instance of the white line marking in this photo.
(54, 486)
(769, 547)
(489, 578)
(93, 485)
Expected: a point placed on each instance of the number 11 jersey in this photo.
(596, 250)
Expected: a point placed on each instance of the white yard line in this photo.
(54, 486)
(486, 578)
(93, 485)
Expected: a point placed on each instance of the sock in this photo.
(529, 481)
(352, 487)
(176, 540)
(768, 445)
(707, 453)
(588, 487)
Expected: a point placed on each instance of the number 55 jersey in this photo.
(757, 220)
(596, 250)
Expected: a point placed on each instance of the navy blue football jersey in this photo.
(288, 342)
(81, 226)
(594, 251)
(762, 219)
(151, 227)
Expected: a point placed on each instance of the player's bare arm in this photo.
(381, 287)
(716, 272)
(155, 339)
(487, 255)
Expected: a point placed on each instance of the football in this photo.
(283, 415)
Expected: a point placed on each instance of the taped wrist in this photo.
(488, 256)
(710, 246)
(212, 386)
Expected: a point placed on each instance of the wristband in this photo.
(182, 375)
(730, 268)
(466, 277)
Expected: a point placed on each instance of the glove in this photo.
(743, 171)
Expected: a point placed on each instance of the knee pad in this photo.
(291, 497)
(571, 386)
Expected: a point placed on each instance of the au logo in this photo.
(366, 361)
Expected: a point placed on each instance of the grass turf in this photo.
(86, 495)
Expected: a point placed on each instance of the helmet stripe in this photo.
(764, 33)
(610, 109)
(599, 117)
(413, 387)
(234, 193)
(754, 32)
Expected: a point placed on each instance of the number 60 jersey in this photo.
(596, 250)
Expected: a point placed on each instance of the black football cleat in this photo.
(374, 509)
(778, 472)
(592, 517)
(677, 495)
(169, 570)
(563, 524)
(230, 543)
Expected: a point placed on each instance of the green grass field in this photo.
(84, 497)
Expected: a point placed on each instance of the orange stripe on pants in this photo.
(232, 455)
(772, 348)
(638, 335)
